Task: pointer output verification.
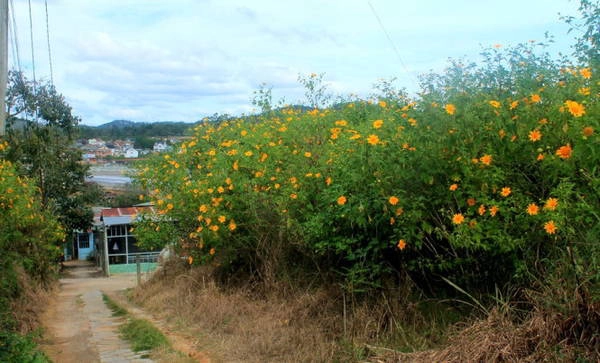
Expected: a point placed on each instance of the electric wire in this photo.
(14, 39)
(32, 46)
(49, 49)
(393, 45)
(34, 85)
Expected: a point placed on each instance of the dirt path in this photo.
(78, 325)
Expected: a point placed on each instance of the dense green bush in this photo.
(489, 176)
(29, 241)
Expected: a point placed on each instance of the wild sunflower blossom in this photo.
(551, 204)
(450, 109)
(532, 209)
(458, 218)
(564, 152)
(377, 124)
(505, 192)
(393, 200)
(453, 187)
(401, 244)
(550, 227)
(576, 109)
(373, 139)
(342, 200)
(535, 135)
(494, 104)
(486, 159)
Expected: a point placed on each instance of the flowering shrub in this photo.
(28, 234)
(485, 176)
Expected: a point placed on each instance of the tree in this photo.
(40, 131)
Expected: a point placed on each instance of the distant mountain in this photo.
(118, 124)
(122, 129)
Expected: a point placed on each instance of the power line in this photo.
(32, 51)
(15, 40)
(413, 80)
(49, 49)
(33, 61)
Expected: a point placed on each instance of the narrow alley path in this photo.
(79, 327)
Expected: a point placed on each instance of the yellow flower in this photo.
(393, 200)
(294, 196)
(307, 154)
(248, 153)
(190, 260)
(564, 152)
(532, 209)
(203, 208)
(494, 104)
(550, 227)
(551, 204)
(458, 218)
(588, 131)
(471, 202)
(486, 159)
(373, 139)
(493, 210)
(514, 105)
(232, 226)
(170, 206)
(377, 124)
(328, 181)
(576, 109)
(222, 219)
(505, 192)
(341, 123)
(535, 98)
(453, 187)
(481, 210)
(450, 109)
(214, 228)
(401, 244)
(586, 73)
(585, 91)
(535, 135)
(341, 200)
(540, 157)
(382, 104)
(212, 251)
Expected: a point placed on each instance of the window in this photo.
(84, 240)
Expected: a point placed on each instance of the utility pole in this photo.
(3, 62)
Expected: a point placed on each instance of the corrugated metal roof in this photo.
(112, 216)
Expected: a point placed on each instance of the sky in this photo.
(182, 60)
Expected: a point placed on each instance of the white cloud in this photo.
(183, 59)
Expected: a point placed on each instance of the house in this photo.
(131, 153)
(160, 146)
(119, 242)
(82, 247)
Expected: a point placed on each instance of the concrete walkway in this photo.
(79, 326)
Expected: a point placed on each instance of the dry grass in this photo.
(547, 335)
(32, 301)
(240, 326)
(243, 324)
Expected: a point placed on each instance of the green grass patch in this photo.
(143, 335)
(116, 309)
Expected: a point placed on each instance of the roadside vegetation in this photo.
(143, 336)
(394, 218)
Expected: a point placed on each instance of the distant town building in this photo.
(160, 146)
(131, 153)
